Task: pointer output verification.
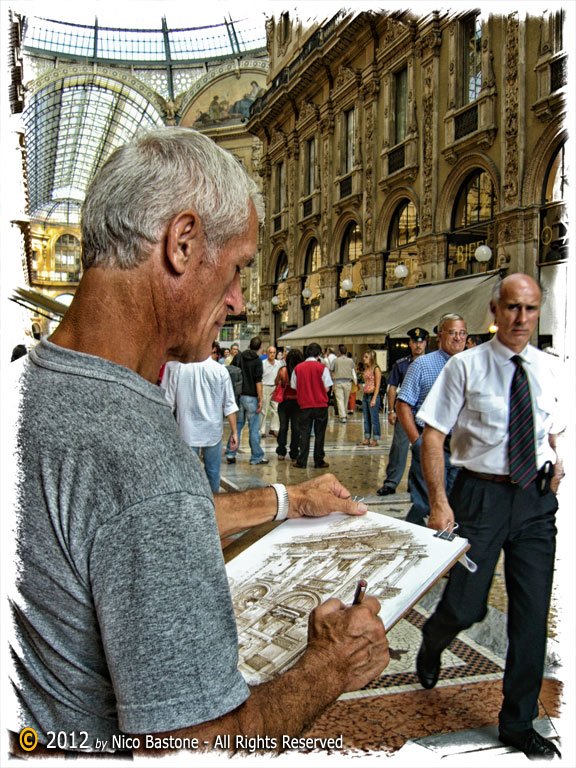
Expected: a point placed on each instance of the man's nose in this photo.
(235, 298)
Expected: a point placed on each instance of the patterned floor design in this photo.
(385, 724)
(463, 661)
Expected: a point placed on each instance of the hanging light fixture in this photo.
(306, 293)
(483, 253)
(400, 271)
(275, 300)
(347, 284)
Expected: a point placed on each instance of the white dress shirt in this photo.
(471, 398)
(202, 393)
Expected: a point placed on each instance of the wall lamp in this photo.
(483, 253)
(401, 271)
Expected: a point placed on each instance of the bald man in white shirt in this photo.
(499, 501)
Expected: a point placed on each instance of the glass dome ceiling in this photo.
(108, 44)
(73, 123)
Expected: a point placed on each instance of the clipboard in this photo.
(280, 578)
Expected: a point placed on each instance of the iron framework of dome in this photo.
(94, 87)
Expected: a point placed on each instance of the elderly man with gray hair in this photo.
(124, 623)
(418, 381)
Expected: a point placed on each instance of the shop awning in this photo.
(39, 303)
(370, 319)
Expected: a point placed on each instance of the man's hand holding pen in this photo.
(352, 638)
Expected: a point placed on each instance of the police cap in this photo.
(418, 334)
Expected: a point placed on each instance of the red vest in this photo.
(310, 389)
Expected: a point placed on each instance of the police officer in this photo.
(417, 341)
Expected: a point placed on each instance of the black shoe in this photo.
(323, 465)
(300, 466)
(428, 666)
(262, 461)
(230, 460)
(386, 490)
(533, 744)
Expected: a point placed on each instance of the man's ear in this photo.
(183, 239)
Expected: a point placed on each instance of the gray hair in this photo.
(448, 318)
(148, 181)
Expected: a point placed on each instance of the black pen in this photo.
(360, 591)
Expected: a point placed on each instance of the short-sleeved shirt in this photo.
(419, 379)
(471, 399)
(250, 364)
(270, 371)
(201, 393)
(398, 371)
(123, 615)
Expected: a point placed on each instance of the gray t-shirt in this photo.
(123, 614)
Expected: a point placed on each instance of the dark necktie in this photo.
(521, 444)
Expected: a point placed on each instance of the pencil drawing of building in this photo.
(273, 603)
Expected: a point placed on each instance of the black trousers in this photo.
(289, 415)
(496, 517)
(316, 418)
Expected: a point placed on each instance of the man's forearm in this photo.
(433, 465)
(391, 395)
(285, 706)
(347, 648)
(406, 418)
(245, 509)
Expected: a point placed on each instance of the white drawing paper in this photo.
(279, 579)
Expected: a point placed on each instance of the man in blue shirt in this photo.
(417, 341)
(420, 377)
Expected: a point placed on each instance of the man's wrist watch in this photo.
(283, 501)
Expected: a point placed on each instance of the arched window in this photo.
(351, 246)
(281, 268)
(402, 244)
(311, 282)
(472, 225)
(350, 252)
(67, 259)
(553, 217)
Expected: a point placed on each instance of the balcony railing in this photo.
(558, 74)
(466, 122)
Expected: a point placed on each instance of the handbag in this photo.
(277, 395)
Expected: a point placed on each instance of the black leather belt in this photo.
(491, 478)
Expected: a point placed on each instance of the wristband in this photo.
(283, 502)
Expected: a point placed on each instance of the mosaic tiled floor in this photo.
(464, 661)
(386, 723)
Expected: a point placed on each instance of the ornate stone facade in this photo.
(419, 110)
